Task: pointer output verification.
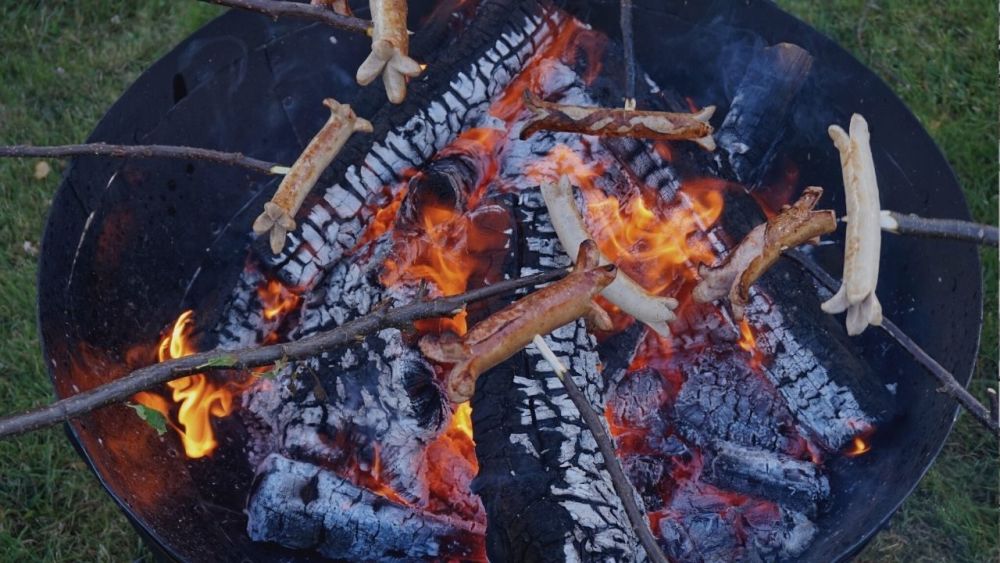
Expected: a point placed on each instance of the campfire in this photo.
(738, 406)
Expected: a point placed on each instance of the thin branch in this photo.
(949, 385)
(148, 377)
(629, 44)
(282, 9)
(607, 448)
(143, 151)
(905, 224)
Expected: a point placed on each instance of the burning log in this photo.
(278, 217)
(790, 482)
(616, 122)
(796, 225)
(506, 332)
(760, 110)
(863, 244)
(629, 296)
(303, 506)
(541, 480)
(390, 50)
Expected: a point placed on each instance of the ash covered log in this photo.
(792, 483)
(304, 506)
(542, 480)
(451, 96)
(723, 398)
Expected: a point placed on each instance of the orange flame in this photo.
(748, 342)
(277, 300)
(199, 398)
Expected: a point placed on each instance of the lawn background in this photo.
(63, 63)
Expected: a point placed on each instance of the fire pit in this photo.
(773, 438)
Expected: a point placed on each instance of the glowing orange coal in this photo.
(858, 447)
(277, 300)
(199, 398)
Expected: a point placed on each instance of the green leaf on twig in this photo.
(225, 361)
(152, 417)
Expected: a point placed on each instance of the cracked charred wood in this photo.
(452, 95)
(863, 242)
(542, 481)
(628, 295)
(618, 122)
(445, 182)
(795, 225)
(390, 55)
(722, 398)
(278, 217)
(760, 110)
(796, 484)
(506, 332)
(304, 506)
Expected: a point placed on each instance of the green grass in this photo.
(64, 62)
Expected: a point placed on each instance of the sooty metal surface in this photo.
(130, 244)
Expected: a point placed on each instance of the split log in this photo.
(617, 122)
(795, 484)
(542, 481)
(863, 242)
(795, 225)
(303, 506)
(760, 110)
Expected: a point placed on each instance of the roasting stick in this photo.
(908, 224)
(390, 55)
(625, 21)
(618, 122)
(278, 217)
(144, 151)
(794, 226)
(338, 6)
(621, 483)
(149, 377)
(628, 295)
(282, 9)
(949, 385)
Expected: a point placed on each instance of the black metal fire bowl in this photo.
(129, 244)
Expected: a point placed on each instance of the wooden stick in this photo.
(282, 9)
(953, 229)
(629, 46)
(618, 122)
(148, 377)
(949, 385)
(143, 151)
(621, 483)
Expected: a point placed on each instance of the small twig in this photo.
(954, 229)
(283, 9)
(143, 151)
(629, 44)
(949, 385)
(607, 448)
(148, 377)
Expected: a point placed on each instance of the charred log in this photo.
(542, 480)
(723, 398)
(787, 481)
(303, 506)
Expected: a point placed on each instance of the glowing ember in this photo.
(858, 447)
(277, 300)
(748, 342)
